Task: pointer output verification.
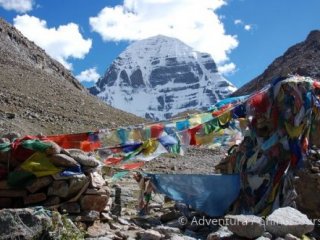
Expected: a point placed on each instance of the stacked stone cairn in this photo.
(84, 197)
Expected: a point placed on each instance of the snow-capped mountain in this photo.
(159, 77)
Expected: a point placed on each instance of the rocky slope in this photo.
(160, 77)
(302, 58)
(37, 94)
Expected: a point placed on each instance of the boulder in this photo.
(26, 223)
(59, 188)
(39, 183)
(150, 235)
(53, 149)
(248, 226)
(96, 180)
(222, 233)
(83, 159)
(288, 220)
(63, 160)
(94, 202)
(76, 184)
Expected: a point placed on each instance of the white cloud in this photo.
(247, 27)
(90, 75)
(228, 68)
(17, 5)
(194, 22)
(238, 22)
(60, 43)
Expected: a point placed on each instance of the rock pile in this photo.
(285, 222)
(76, 185)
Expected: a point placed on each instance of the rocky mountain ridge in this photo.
(37, 94)
(302, 59)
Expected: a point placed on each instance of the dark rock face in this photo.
(159, 77)
(302, 59)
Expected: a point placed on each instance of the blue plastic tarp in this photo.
(211, 194)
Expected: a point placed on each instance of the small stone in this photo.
(150, 235)
(291, 237)
(76, 184)
(288, 220)
(59, 188)
(89, 216)
(53, 149)
(222, 233)
(167, 231)
(105, 216)
(97, 180)
(98, 229)
(263, 238)
(176, 237)
(83, 159)
(123, 221)
(175, 224)
(315, 169)
(248, 226)
(267, 235)
(34, 198)
(170, 216)
(70, 207)
(62, 160)
(121, 234)
(39, 183)
(94, 202)
(115, 226)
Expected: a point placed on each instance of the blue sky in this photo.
(243, 36)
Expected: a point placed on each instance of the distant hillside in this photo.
(302, 58)
(37, 94)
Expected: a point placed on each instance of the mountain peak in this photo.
(159, 77)
(314, 35)
(159, 46)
